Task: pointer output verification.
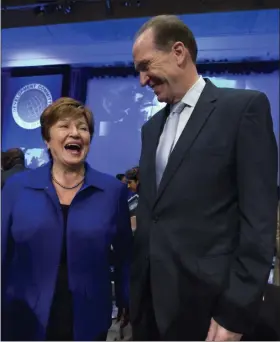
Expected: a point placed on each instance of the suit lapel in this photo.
(200, 114)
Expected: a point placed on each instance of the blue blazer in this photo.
(32, 232)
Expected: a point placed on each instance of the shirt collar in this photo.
(192, 95)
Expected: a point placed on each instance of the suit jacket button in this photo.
(155, 219)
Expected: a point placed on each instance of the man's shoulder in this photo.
(234, 94)
(238, 101)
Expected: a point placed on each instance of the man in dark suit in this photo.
(206, 218)
(13, 161)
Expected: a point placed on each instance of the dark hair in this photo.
(3, 159)
(169, 29)
(12, 157)
(133, 174)
(120, 176)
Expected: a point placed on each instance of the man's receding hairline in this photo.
(167, 30)
(153, 34)
(140, 33)
(153, 29)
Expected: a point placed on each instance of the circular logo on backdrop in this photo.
(29, 103)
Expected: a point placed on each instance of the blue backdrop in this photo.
(26, 98)
(120, 107)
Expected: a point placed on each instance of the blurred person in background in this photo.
(58, 224)
(121, 177)
(3, 158)
(132, 179)
(12, 163)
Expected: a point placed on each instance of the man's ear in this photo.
(180, 52)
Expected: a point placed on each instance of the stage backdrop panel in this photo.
(121, 107)
(26, 99)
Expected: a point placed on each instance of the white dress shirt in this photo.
(190, 99)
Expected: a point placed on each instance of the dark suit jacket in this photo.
(208, 233)
(6, 174)
(267, 327)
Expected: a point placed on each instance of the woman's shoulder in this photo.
(13, 186)
(103, 180)
(18, 179)
(22, 179)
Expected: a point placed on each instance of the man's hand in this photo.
(123, 318)
(218, 333)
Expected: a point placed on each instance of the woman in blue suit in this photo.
(58, 223)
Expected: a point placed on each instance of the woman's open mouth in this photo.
(73, 148)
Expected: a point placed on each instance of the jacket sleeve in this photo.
(256, 163)
(122, 251)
